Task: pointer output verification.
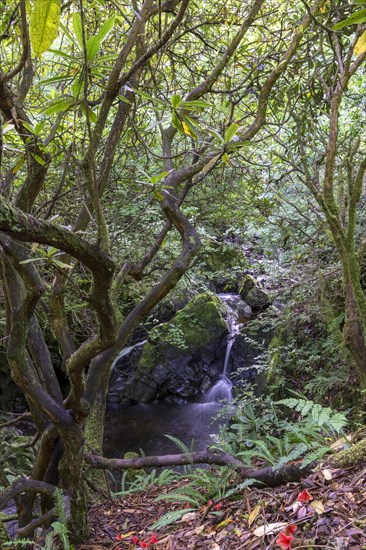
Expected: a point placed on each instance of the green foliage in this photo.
(307, 351)
(58, 537)
(16, 454)
(169, 518)
(142, 482)
(322, 417)
(354, 19)
(261, 433)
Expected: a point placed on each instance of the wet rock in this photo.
(181, 358)
(252, 294)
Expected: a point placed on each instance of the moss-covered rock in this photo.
(181, 355)
(256, 297)
(222, 264)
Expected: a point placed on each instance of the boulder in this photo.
(252, 294)
(222, 264)
(247, 356)
(181, 358)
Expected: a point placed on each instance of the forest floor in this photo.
(325, 510)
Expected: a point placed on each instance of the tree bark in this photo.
(272, 477)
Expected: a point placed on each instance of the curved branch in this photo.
(25, 43)
(157, 46)
(26, 486)
(264, 476)
(25, 227)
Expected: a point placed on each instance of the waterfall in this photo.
(125, 351)
(222, 389)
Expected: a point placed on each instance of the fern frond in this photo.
(244, 485)
(295, 454)
(170, 517)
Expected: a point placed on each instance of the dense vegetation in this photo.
(138, 137)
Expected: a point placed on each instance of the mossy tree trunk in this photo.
(340, 165)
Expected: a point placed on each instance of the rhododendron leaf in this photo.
(43, 25)
(360, 46)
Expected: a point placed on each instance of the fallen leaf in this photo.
(327, 474)
(295, 506)
(318, 506)
(189, 516)
(284, 541)
(224, 523)
(126, 535)
(222, 535)
(268, 529)
(301, 513)
(304, 496)
(253, 515)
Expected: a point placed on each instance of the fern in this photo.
(314, 456)
(187, 494)
(244, 485)
(170, 517)
(143, 481)
(20, 542)
(183, 448)
(59, 531)
(320, 416)
(294, 454)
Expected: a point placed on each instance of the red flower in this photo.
(284, 541)
(153, 539)
(134, 539)
(290, 529)
(119, 537)
(304, 496)
(144, 544)
(218, 506)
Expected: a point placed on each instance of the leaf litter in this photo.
(325, 510)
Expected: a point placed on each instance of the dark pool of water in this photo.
(142, 427)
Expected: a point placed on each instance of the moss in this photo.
(223, 257)
(132, 474)
(350, 457)
(201, 320)
(148, 357)
(274, 350)
(246, 284)
(3, 533)
(194, 327)
(94, 437)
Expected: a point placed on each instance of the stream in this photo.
(142, 427)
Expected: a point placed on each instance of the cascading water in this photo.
(126, 351)
(222, 389)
